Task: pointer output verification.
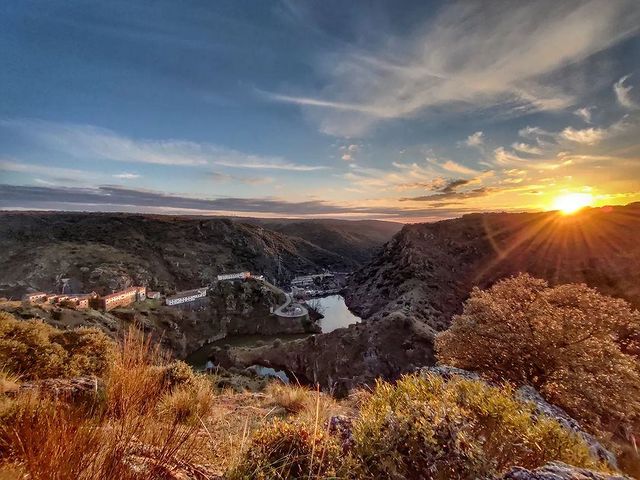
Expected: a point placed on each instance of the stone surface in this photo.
(559, 471)
(74, 389)
(530, 394)
(542, 407)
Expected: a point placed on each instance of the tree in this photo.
(577, 347)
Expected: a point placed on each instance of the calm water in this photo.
(336, 314)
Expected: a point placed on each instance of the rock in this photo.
(78, 389)
(530, 394)
(447, 372)
(154, 463)
(542, 407)
(559, 471)
(341, 426)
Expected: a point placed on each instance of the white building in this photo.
(234, 276)
(187, 296)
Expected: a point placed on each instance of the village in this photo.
(129, 295)
(300, 289)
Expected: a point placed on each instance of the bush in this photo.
(293, 398)
(178, 373)
(35, 350)
(461, 429)
(284, 450)
(571, 343)
(189, 403)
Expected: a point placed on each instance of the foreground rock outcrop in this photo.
(560, 471)
(347, 357)
(529, 394)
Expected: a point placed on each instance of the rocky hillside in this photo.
(428, 270)
(358, 239)
(105, 252)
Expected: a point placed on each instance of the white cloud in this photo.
(60, 173)
(587, 136)
(526, 148)
(584, 113)
(100, 144)
(475, 139)
(473, 54)
(127, 176)
(452, 166)
(623, 93)
(504, 157)
(347, 157)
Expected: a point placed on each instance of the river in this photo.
(336, 314)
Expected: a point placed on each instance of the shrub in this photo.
(188, 403)
(293, 398)
(178, 373)
(284, 450)
(462, 429)
(570, 342)
(34, 350)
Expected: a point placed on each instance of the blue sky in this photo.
(407, 112)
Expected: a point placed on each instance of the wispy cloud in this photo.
(584, 113)
(475, 139)
(473, 54)
(623, 93)
(110, 198)
(100, 144)
(59, 174)
(526, 148)
(586, 136)
(126, 176)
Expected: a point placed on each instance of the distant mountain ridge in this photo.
(427, 270)
(107, 251)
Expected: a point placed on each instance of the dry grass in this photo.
(9, 382)
(293, 398)
(123, 437)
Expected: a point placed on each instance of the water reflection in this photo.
(336, 314)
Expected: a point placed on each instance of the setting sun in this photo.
(572, 202)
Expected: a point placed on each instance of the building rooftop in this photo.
(188, 293)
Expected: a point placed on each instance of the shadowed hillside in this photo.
(104, 252)
(428, 270)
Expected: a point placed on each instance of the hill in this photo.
(356, 239)
(428, 270)
(105, 252)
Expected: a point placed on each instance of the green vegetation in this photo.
(577, 347)
(33, 350)
(284, 450)
(458, 429)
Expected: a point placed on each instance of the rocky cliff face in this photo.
(347, 357)
(105, 252)
(427, 270)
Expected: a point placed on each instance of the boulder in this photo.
(530, 394)
(77, 389)
(542, 407)
(559, 471)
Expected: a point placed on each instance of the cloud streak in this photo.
(100, 144)
(473, 54)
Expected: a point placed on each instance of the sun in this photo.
(572, 202)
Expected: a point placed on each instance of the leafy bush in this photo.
(576, 346)
(461, 429)
(284, 450)
(178, 373)
(34, 350)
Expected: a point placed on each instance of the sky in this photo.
(405, 111)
